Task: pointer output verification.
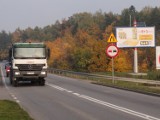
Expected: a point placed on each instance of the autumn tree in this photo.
(57, 49)
(5, 42)
(99, 61)
(79, 42)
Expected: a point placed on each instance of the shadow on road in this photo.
(27, 84)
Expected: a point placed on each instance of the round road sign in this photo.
(112, 51)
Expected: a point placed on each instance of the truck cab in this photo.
(28, 62)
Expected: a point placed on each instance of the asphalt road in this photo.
(65, 98)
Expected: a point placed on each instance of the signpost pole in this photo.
(112, 51)
(113, 71)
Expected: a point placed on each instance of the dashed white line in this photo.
(69, 91)
(12, 95)
(107, 104)
(77, 94)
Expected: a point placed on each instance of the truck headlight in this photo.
(43, 72)
(17, 73)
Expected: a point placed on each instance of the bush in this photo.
(154, 75)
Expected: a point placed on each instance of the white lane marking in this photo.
(77, 94)
(119, 108)
(107, 104)
(69, 91)
(59, 88)
(4, 82)
(15, 98)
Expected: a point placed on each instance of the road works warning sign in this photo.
(112, 38)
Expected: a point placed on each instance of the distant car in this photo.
(7, 67)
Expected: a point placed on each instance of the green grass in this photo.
(139, 87)
(150, 75)
(10, 110)
(124, 74)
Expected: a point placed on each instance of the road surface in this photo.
(65, 98)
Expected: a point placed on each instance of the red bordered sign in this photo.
(112, 50)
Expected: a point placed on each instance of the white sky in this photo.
(31, 13)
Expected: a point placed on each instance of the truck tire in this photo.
(7, 74)
(11, 80)
(41, 81)
(15, 83)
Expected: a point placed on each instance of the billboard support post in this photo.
(135, 60)
(135, 52)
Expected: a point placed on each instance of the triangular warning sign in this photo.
(112, 38)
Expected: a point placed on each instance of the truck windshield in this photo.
(29, 53)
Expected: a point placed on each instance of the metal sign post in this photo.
(113, 71)
(112, 51)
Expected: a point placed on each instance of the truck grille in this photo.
(30, 67)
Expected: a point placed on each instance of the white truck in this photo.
(28, 62)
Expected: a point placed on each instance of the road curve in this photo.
(65, 98)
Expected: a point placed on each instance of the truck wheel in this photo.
(11, 80)
(7, 74)
(42, 81)
(15, 83)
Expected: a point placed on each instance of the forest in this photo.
(79, 42)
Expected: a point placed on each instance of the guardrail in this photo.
(89, 76)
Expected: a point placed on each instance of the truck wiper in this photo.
(38, 57)
(20, 58)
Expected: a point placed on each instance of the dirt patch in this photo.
(156, 87)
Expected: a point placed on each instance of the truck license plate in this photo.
(30, 73)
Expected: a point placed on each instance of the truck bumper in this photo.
(29, 74)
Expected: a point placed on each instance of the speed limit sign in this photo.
(112, 51)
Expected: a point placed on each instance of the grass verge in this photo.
(137, 87)
(10, 110)
(132, 86)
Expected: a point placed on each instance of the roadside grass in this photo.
(132, 86)
(10, 110)
(125, 74)
(150, 75)
(137, 87)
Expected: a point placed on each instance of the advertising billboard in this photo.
(135, 37)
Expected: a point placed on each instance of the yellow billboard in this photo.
(135, 37)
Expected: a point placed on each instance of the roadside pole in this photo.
(135, 60)
(113, 71)
(135, 51)
(112, 51)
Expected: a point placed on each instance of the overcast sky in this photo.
(31, 13)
